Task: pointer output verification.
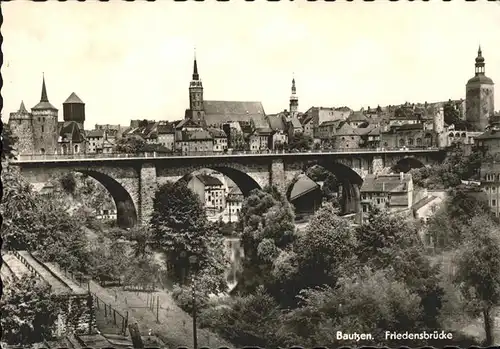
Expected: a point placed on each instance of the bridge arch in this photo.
(349, 179)
(122, 185)
(243, 180)
(407, 163)
(126, 211)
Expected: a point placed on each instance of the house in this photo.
(107, 211)
(408, 135)
(219, 139)
(279, 129)
(195, 141)
(357, 119)
(95, 139)
(391, 192)
(234, 203)
(211, 192)
(305, 195)
(71, 138)
(259, 140)
(165, 134)
(319, 115)
(490, 184)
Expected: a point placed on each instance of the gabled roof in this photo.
(70, 130)
(95, 133)
(302, 186)
(187, 123)
(357, 116)
(346, 130)
(196, 135)
(296, 122)
(218, 112)
(386, 183)
(209, 180)
(276, 123)
(73, 99)
(217, 133)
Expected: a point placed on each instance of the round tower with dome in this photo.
(480, 105)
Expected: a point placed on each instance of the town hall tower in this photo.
(479, 97)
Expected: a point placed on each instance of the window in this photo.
(401, 142)
(42, 129)
(493, 203)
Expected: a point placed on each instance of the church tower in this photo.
(294, 101)
(479, 97)
(196, 112)
(44, 125)
(20, 125)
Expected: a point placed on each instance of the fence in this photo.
(119, 320)
(44, 157)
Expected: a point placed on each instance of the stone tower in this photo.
(294, 101)
(74, 110)
(196, 96)
(44, 125)
(479, 97)
(20, 124)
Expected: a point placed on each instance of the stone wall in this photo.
(148, 185)
(23, 130)
(77, 315)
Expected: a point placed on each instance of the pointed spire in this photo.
(22, 108)
(44, 97)
(479, 52)
(294, 90)
(196, 76)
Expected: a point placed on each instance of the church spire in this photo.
(480, 62)
(44, 97)
(294, 90)
(22, 108)
(196, 76)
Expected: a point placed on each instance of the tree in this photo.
(237, 140)
(300, 141)
(366, 302)
(392, 242)
(68, 183)
(326, 250)
(130, 144)
(478, 270)
(267, 229)
(181, 229)
(29, 311)
(9, 141)
(19, 209)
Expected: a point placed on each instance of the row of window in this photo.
(492, 177)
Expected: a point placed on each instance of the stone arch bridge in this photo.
(132, 181)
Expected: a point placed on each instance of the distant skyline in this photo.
(134, 60)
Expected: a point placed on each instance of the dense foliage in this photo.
(31, 311)
(130, 144)
(8, 141)
(299, 142)
(181, 230)
(456, 167)
(301, 287)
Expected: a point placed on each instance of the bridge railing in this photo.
(41, 157)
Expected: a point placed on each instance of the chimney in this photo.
(401, 176)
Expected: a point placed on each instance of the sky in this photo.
(135, 60)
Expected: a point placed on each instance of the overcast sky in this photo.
(134, 60)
